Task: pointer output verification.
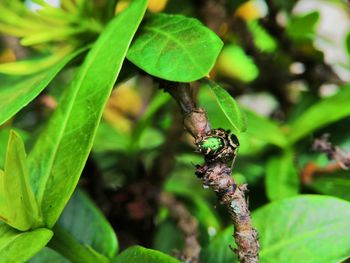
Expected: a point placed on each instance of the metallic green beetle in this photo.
(218, 144)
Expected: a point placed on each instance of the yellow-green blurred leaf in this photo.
(234, 63)
(18, 207)
(31, 66)
(17, 246)
(261, 38)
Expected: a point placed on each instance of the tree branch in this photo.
(187, 224)
(217, 175)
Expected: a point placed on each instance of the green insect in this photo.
(218, 144)
(212, 145)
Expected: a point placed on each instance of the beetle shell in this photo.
(211, 145)
(218, 144)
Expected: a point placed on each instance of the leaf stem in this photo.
(69, 247)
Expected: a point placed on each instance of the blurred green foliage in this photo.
(277, 80)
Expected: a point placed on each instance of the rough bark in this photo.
(217, 176)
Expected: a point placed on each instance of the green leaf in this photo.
(48, 255)
(45, 36)
(265, 129)
(175, 47)
(262, 39)
(159, 100)
(186, 187)
(16, 246)
(110, 139)
(302, 28)
(150, 139)
(61, 151)
(320, 114)
(347, 45)
(282, 179)
(138, 254)
(86, 223)
(18, 207)
(72, 249)
(16, 92)
(198, 206)
(337, 184)
(234, 63)
(218, 250)
(216, 116)
(251, 146)
(168, 238)
(34, 65)
(308, 229)
(4, 138)
(228, 106)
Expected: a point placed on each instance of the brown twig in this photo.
(322, 144)
(13, 43)
(163, 165)
(187, 224)
(217, 175)
(214, 14)
(311, 170)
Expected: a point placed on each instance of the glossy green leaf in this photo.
(138, 254)
(216, 116)
(4, 138)
(86, 223)
(249, 144)
(302, 27)
(308, 229)
(18, 207)
(18, 247)
(16, 92)
(61, 151)
(228, 106)
(234, 63)
(175, 47)
(262, 128)
(326, 111)
(282, 179)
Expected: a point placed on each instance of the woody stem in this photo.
(217, 176)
